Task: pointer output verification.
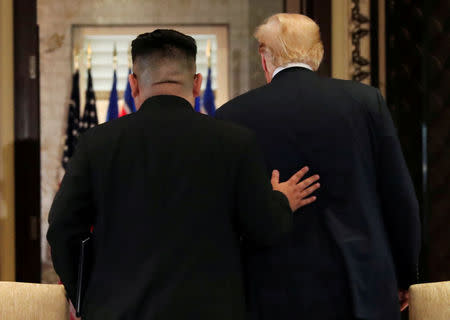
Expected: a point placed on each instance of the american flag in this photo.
(89, 119)
(72, 121)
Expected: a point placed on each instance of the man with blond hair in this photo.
(355, 248)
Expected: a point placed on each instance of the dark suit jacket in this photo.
(360, 241)
(169, 193)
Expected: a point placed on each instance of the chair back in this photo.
(33, 301)
(430, 301)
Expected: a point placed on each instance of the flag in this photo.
(89, 119)
(72, 120)
(113, 108)
(122, 112)
(208, 96)
(197, 104)
(128, 104)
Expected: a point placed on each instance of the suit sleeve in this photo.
(70, 218)
(399, 202)
(264, 215)
(219, 114)
(223, 113)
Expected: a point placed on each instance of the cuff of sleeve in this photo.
(406, 279)
(283, 198)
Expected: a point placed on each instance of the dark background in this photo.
(418, 94)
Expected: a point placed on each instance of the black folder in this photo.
(83, 272)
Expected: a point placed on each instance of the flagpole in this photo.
(208, 95)
(115, 57)
(113, 108)
(208, 52)
(89, 118)
(130, 62)
(76, 59)
(89, 55)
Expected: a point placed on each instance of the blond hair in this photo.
(288, 37)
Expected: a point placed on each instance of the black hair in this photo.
(164, 43)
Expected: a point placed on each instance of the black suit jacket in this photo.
(360, 241)
(169, 193)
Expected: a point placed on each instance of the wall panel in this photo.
(7, 247)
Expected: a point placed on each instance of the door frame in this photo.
(27, 142)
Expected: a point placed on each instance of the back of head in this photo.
(287, 38)
(164, 57)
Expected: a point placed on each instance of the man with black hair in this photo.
(170, 192)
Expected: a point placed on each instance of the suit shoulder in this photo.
(363, 95)
(359, 91)
(105, 131)
(242, 102)
(227, 131)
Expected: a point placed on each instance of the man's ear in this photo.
(266, 70)
(263, 62)
(198, 78)
(134, 85)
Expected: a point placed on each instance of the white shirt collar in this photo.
(291, 65)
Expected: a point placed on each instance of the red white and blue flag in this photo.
(128, 104)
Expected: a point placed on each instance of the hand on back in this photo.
(297, 191)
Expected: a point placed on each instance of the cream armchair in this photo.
(430, 301)
(32, 301)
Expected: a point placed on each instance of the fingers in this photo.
(307, 201)
(296, 192)
(275, 180)
(302, 202)
(308, 191)
(307, 182)
(299, 175)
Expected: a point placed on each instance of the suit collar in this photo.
(291, 70)
(291, 65)
(168, 102)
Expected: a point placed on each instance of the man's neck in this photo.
(291, 65)
(170, 89)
